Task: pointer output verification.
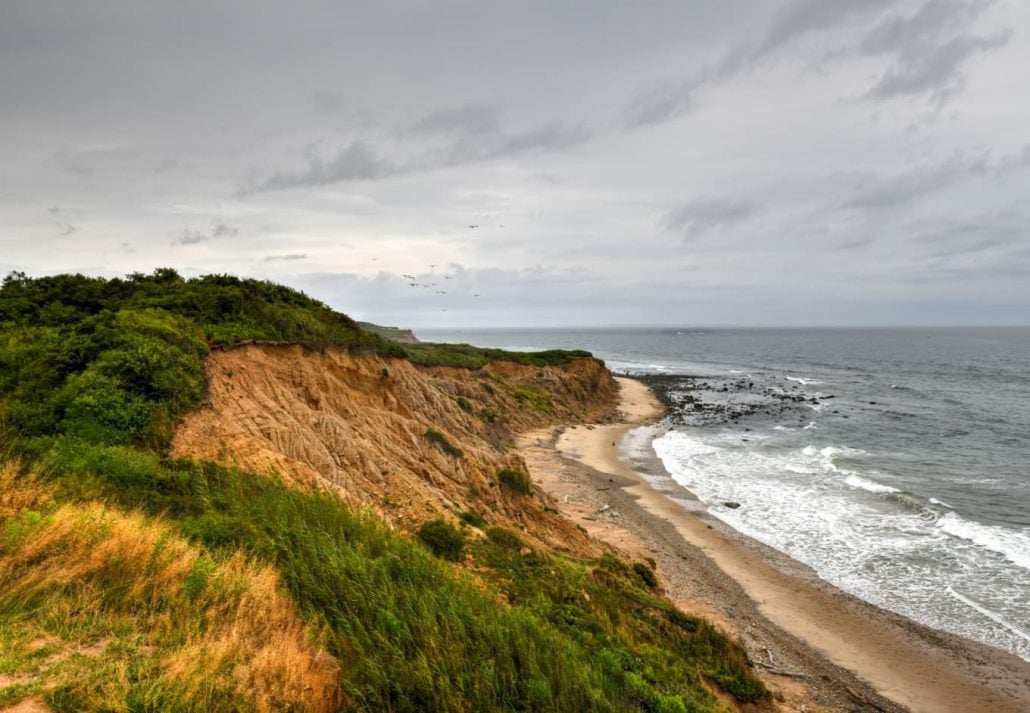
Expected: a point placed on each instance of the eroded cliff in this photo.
(364, 424)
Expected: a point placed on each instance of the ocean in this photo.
(893, 462)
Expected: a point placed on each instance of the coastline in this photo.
(818, 648)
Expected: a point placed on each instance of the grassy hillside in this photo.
(126, 576)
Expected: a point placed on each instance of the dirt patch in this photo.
(29, 705)
(361, 424)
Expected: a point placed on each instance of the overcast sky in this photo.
(770, 162)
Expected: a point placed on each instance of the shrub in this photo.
(646, 574)
(488, 414)
(443, 539)
(437, 438)
(504, 538)
(515, 480)
(464, 404)
(471, 517)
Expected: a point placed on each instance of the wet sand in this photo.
(818, 648)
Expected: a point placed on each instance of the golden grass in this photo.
(188, 630)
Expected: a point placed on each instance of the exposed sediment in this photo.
(360, 423)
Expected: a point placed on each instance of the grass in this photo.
(403, 624)
(469, 357)
(197, 587)
(101, 609)
(441, 441)
(443, 539)
(515, 480)
(473, 518)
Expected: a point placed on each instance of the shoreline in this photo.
(817, 647)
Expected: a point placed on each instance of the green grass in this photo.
(469, 357)
(441, 441)
(94, 376)
(404, 625)
(515, 480)
(443, 539)
(473, 518)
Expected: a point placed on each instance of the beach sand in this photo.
(818, 648)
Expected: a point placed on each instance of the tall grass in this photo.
(410, 631)
(127, 613)
(134, 582)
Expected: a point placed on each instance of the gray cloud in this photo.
(1000, 236)
(699, 217)
(218, 230)
(796, 20)
(355, 162)
(660, 103)
(876, 192)
(928, 49)
(459, 137)
(221, 230)
(812, 133)
(880, 192)
(75, 163)
(672, 99)
(471, 119)
(192, 237)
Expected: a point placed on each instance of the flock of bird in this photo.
(413, 281)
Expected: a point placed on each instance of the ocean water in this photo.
(906, 482)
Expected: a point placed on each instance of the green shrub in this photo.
(94, 375)
(437, 438)
(515, 480)
(464, 404)
(504, 538)
(443, 539)
(471, 517)
(470, 357)
(646, 574)
(488, 415)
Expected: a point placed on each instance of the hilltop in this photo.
(220, 494)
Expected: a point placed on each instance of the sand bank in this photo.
(818, 647)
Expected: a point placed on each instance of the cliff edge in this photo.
(413, 442)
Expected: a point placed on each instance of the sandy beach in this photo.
(818, 648)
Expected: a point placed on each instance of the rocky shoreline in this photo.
(818, 648)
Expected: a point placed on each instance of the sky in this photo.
(540, 163)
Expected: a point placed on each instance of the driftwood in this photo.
(782, 672)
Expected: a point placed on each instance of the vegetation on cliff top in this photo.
(156, 564)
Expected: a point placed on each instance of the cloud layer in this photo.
(462, 163)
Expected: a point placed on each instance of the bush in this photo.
(504, 538)
(471, 517)
(470, 357)
(443, 539)
(515, 480)
(437, 438)
(464, 404)
(646, 574)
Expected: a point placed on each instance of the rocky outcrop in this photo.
(413, 442)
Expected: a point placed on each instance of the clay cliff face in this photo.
(359, 422)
